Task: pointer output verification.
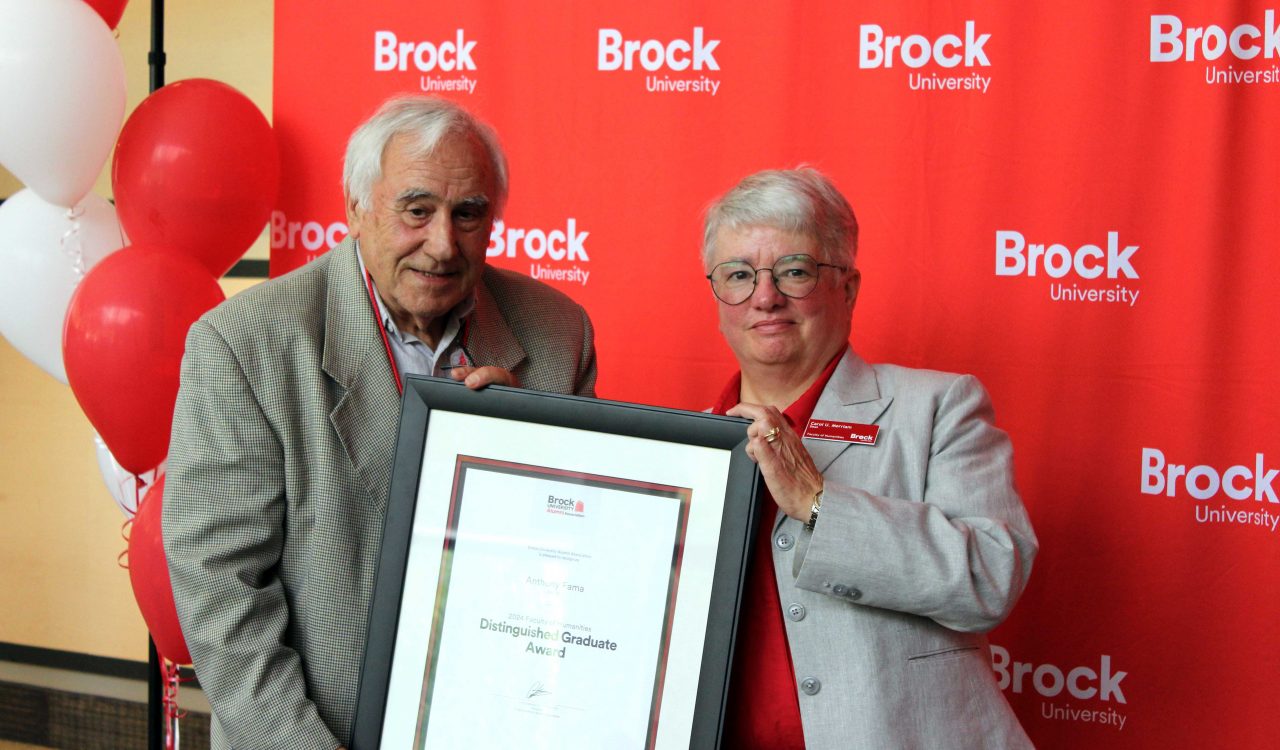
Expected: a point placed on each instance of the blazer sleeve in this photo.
(223, 526)
(586, 381)
(961, 557)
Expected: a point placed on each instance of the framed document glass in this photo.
(555, 572)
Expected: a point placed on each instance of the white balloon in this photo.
(125, 488)
(44, 252)
(62, 95)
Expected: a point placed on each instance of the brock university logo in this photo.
(673, 66)
(1090, 273)
(566, 506)
(441, 65)
(1241, 495)
(1255, 48)
(1098, 694)
(558, 254)
(878, 48)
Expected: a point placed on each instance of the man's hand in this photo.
(476, 378)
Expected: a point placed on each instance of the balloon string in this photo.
(139, 485)
(172, 679)
(123, 485)
(71, 244)
(122, 559)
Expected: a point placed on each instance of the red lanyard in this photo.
(386, 342)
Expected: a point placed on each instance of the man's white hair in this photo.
(427, 120)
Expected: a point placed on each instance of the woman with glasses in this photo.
(892, 537)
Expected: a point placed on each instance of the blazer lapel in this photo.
(852, 395)
(489, 338)
(366, 417)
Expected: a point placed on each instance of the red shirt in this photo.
(764, 709)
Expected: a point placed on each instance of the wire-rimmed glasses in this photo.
(795, 276)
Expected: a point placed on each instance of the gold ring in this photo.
(772, 435)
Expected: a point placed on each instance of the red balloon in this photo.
(196, 169)
(122, 345)
(149, 575)
(110, 10)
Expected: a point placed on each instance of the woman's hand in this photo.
(788, 469)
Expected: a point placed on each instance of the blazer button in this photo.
(796, 612)
(854, 593)
(784, 541)
(810, 685)
(839, 589)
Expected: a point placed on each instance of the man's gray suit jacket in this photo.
(277, 481)
(922, 544)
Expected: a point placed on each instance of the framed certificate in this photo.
(555, 572)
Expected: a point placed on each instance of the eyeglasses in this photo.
(795, 276)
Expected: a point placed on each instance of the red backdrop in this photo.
(1078, 203)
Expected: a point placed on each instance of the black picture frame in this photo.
(426, 397)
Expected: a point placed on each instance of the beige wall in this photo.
(60, 586)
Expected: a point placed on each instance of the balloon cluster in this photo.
(101, 296)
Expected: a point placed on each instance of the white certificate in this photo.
(536, 635)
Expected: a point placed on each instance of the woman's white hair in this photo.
(427, 120)
(801, 200)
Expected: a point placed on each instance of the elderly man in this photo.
(285, 425)
(891, 545)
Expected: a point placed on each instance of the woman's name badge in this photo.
(842, 432)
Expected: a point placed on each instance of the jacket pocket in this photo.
(942, 653)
